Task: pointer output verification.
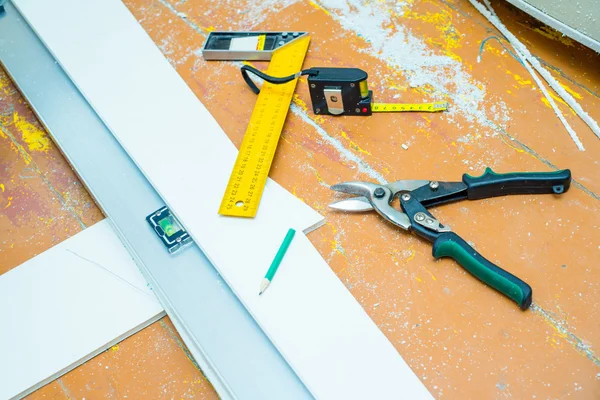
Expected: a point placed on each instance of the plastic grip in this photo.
(491, 184)
(453, 246)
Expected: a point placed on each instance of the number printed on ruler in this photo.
(259, 145)
(398, 107)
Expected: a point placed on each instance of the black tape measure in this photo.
(341, 91)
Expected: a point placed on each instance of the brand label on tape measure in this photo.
(398, 107)
(251, 169)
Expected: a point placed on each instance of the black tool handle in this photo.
(491, 184)
(449, 244)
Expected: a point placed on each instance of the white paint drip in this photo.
(403, 51)
(346, 154)
(490, 8)
(526, 56)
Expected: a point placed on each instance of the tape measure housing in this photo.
(345, 91)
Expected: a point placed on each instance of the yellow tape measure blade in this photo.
(251, 168)
(408, 107)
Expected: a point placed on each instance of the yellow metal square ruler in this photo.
(251, 169)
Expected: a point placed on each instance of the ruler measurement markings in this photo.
(259, 145)
(430, 107)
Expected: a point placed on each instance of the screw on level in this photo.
(379, 193)
(406, 197)
(434, 185)
(352, 85)
(429, 221)
(357, 110)
(312, 85)
(419, 217)
(318, 110)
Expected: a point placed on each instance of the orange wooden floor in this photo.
(462, 339)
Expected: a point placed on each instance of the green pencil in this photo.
(276, 261)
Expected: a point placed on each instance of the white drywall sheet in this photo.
(312, 319)
(67, 305)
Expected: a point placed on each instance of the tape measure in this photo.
(399, 107)
(251, 169)
(340, 91)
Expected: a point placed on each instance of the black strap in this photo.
(272, 79)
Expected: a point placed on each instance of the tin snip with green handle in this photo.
(416, 196)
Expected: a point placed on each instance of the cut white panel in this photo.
(67, 305)
(312, 319)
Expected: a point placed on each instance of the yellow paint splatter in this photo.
(556, 99)
(299, 102)
(319, 119)
(321, 180)
(333, 228)
(429, 272)
(318, 7)
(9, 202)
(571, 92)
(115, 348)
(522, 81)
(20, 150)
(209, 29)
(36, 138)
(490, 47)
(354, 145)
(295, 194)
(518, 150)
(5, 84)
(390, 82)
(449, 38)
(302, 104)
(550, 33)
(555, 341)
(2, 187)
(506, 142)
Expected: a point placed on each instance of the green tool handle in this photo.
(451, 245)
(491, 184)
